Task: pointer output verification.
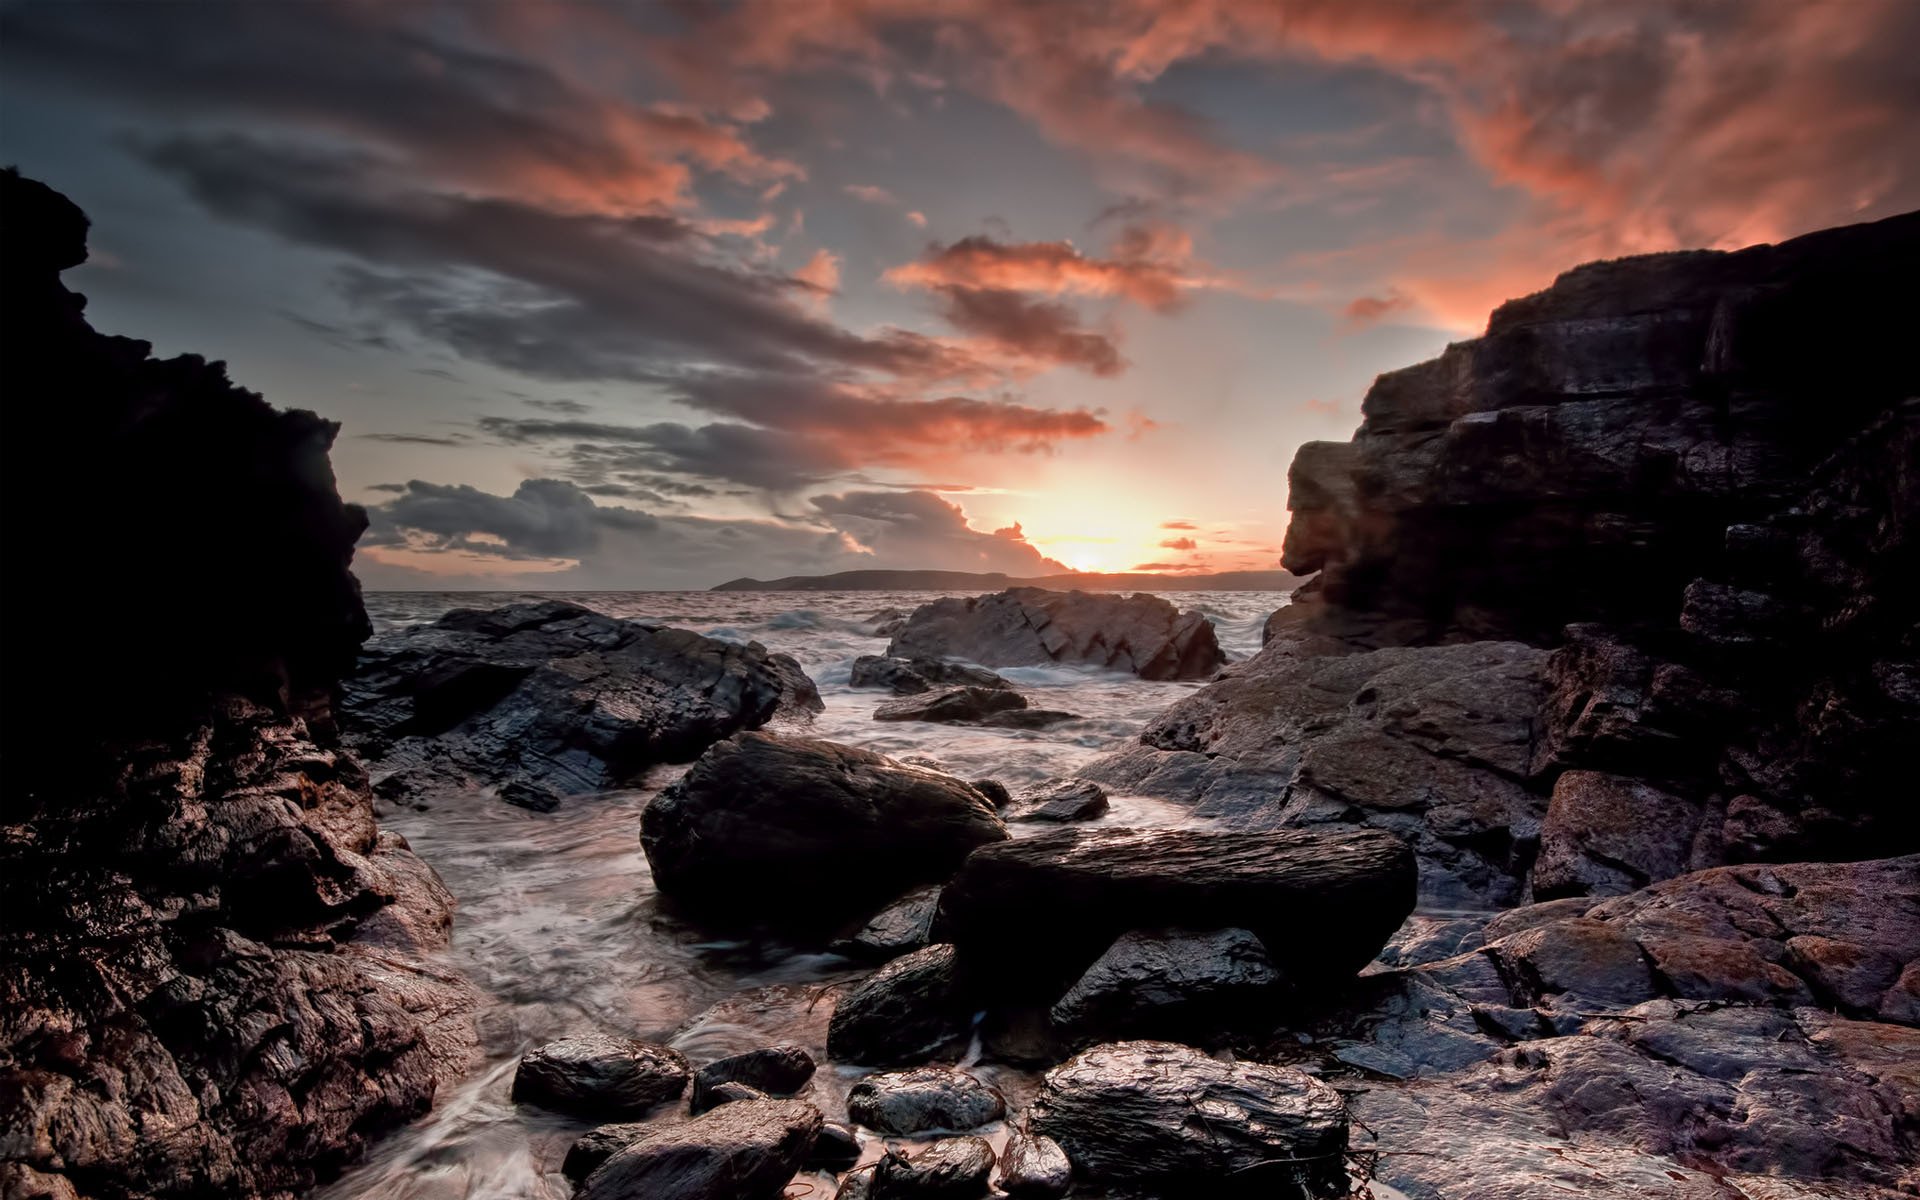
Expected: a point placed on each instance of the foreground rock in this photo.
(912, 676)
(906, 1012)
(794, 831)
(1140, 634)
(554, 698)
(215, 974)
(949, 1169)
(1060, 800)
(747, 1150)
(1324, 904)
(601, 1076)
(1152, 1112)
(1169, 984)
(774, 1070)
(923, 1100)
(1034, 1166)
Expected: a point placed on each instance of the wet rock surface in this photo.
(601, 1076)
(790, 830)
(925, 1099)
(1059, 800)
(1170, 984)
(1161, 1113)
(742, 1151)
(774, 1070)
(1143, 635)
(912, 676)
(1034, 1165)
(1322, 903)
(949, 1169)
(552, 698)
(906, 1012)
(959, 705)
(903, 926)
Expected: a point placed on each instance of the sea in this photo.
(558, 925)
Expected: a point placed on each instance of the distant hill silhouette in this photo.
(961, 581)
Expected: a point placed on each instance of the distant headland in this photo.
(957, 581)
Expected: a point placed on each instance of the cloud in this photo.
(1037, 332)
(1179, 543)
(628, 455)
(821, 272)
(1160, 566)
(1152, 266)
(415, 439)
(543, 519)
(568, 407)
(928, 530)
(870, 194)
(1370, 310)
(1178, 525)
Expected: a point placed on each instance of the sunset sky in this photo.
(658, 294)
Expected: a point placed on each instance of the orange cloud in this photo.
(1149, 266)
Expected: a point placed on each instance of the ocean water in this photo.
(558, 924)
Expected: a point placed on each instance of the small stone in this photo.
(1034, 1165)
(924, 1099)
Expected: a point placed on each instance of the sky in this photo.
(655, 295)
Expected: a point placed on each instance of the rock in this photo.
(1027, 718)
(886, 623)
(1433, 744)
(1608, 835)
(949, 1169)
(553, 699)
(1140, 1113)
(911, 676)
(1034, 1165)
(858, 1185)
(596, 1146)
(900, 928)
(906, 1012)
(729, 1093)
(743, 1151)
(1141, 634)
(836, 1149)
(994, 791)
(1169, 983)
(924, 1100)
(960, 705)
(789, 831)
(774, 1070)
(1323, 903)
(1060, 800)
(599, 1075)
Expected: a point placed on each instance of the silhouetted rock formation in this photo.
(551, 699)
(209, 971)
(1141, 634)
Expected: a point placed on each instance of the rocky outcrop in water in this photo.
(546, 700)
(778, 830)
(598, 1075)
(911, 676)
(747, 1150)
(213, 979)
(1141, 634)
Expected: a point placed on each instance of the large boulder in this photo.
(949, 1169)
(1147, 1113)
(911, 676)
(906, 1012)
(792, 830)
(554, 698)
(1035, 912)
(747, 1150)
(599, 1075)
(1140, 634)
(1168, 983)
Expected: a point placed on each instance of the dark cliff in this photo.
(212, 977)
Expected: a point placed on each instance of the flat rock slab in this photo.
(601, 1076)
(1037, 911)
(1141, 1112)
(747, 1150)
(1060, 800)
(791, 831)
(554, 697)
(923, 1100)
(912, 676)
(955, 705)
(1141, 634)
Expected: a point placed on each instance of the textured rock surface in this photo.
(1141, 1112)
(598, 1075)
(1168, 984)
(924, 1099)
(555, 698)
(1141, 634)
(790, 830)
(911, 676)
(903, 926)
(958, 705)
(775, 1070)
(1034, 1165)
(188, 1007)
(1059, 800)
(747, 1150)
(906, 1012)
(1433, 744)
(949, 1169)
(1033, 910)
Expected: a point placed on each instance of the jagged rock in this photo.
(596, 1146)
(1434, 744)
(911, 676)
(602, 1076)
(747, 1150)
(1609, 834)
(923, 1100)
(960, 705)
(1035, 912)
(187, 1004)
(906, 1012)
(1148, 1112)
(949, 1169)
(1141, 634)
(555, 698)
(886, 623)
(1059, 800)
(901, 927)
(790, 830)
(1168, 983)
(1034, 1165)
(774, 1070)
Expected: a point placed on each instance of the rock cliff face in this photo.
(212, 979)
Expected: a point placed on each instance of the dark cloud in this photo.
(598, 452)
(1160, 566)
(415, 439)
(572, 408)
(1040, 332)
(543, 519)
(920, 527)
